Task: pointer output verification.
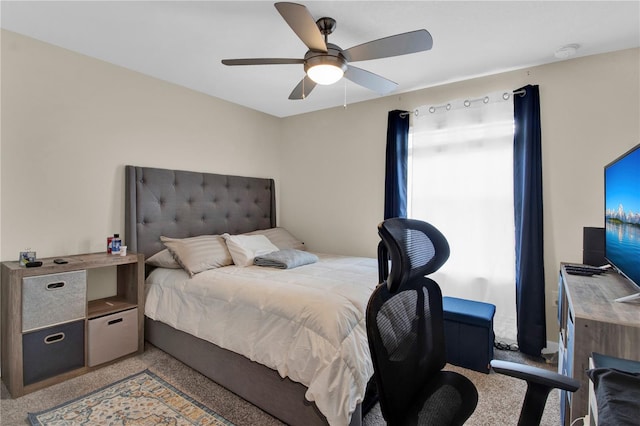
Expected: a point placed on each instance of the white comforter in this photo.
(307, 323)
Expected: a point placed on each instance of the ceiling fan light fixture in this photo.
(325, 69)
(325, 74)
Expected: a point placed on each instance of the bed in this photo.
(308, 385)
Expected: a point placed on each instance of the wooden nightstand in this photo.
(50, 332)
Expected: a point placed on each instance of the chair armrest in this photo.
(535, 375)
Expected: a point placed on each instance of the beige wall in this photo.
(333, 161)
(70, 124)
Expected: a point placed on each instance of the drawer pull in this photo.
(54, 338)
(56, 285)
(115, 321)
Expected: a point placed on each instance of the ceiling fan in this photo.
(325, 63)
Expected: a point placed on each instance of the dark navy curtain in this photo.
(527, 166)
(397, 157)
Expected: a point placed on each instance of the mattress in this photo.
(307, 323)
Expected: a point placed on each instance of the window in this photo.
(461, 181)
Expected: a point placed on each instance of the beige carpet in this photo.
(500, 397)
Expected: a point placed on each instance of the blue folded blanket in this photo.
(285, 259)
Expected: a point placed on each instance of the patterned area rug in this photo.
(141, 399)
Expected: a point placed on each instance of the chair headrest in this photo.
(416, 248)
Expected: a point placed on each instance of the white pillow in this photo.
(197, 254)
(244, 248)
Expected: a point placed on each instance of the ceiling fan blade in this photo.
(370, 80)
(399, 44)
(303, 24)
(298, 93)
(262, 61)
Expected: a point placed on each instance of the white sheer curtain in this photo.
(461, 181)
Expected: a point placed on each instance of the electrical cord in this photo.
(584, 421)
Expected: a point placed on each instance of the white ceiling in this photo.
(183, 42)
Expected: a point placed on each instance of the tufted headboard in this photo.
(182, 204)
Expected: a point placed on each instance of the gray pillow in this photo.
(281, 238)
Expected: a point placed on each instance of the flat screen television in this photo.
(622, 217)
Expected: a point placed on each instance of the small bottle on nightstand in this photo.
(116, 242)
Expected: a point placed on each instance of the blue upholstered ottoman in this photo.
(468, 332)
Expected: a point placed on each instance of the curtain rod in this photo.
(467, 102)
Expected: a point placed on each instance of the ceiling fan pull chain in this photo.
(345, 94)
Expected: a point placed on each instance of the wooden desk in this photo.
(590, 321)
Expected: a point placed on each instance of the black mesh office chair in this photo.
(405, 329)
